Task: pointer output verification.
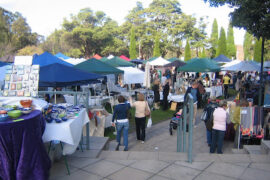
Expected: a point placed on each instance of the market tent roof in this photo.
(174, 59)
(118, 62)
(266, 64)
(3, 64)
(96, 66)
(104, 59)
(96, 56)
(132, 75)
(175, 63)
(61, 56)
(160, 61)
(243, 66)
(137, 61)
(47, 59)
(59, 75)
(124, 57)
(231, 63)
(74, 61)
(222, 59)
(23, 60)
(200, 65)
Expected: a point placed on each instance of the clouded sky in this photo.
(44, 16)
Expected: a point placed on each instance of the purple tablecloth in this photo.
(22, 152)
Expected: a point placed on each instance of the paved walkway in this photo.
(157, 159)
(159, 139)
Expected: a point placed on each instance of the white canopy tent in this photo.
(243, 66)
(160, 61)
(132, 75)
(23, 60)
(231, 63)
(74, 61)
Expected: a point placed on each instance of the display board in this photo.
(21, 80)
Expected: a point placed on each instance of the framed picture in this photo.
(20, 93)
(13, 86)
(6, 86)
(19, 86)
(12, 93)
(5, 93)
(27, 94)
(7, 77)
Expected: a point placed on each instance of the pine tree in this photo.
(258, 50)
(156, 52)
(231, 49)
(214, 38)
(222, 45)
(248, 46)
(187, 51)
(132, 46)
(203, 54)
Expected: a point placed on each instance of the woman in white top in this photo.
(140, 117)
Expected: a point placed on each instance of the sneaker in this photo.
(126, 149)
(117, 147)
(142, 142)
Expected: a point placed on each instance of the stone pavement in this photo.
(157, 159)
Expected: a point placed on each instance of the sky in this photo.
(44, 16)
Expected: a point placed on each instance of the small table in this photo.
(22, 152)
(68, 132)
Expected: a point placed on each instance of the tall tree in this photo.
(132, 45)
(258, 50)
(156, 52)
(214, 38)
(252, 16)
(187, 51)
(248, 46)
(203, 54)
(231, 49)
(222, 45)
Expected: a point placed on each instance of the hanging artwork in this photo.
(21, 80)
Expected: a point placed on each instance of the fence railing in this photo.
(182, 127)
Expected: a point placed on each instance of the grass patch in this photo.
(157, 116)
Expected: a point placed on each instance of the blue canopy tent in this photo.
(222, 59)
(47, 59)
(137, 61)
(62, 56)
(3, 64)
(58, 75)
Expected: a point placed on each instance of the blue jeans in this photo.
(119, 127)
(217, 141)
(209, 137)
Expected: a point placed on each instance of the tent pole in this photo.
(54, 96)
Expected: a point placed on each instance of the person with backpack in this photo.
(209, 109)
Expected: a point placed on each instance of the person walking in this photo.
(120, 115)
(193, 90)
(220, 117)
(140, 117)
(209, 109)
(155, 88)
(166, 90)
(226, 82)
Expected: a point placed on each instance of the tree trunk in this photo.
(261, 76)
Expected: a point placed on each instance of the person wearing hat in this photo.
(220, 117)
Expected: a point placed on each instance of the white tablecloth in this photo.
(38, 103)
(173, 97)
(68, 132)
(215, 91)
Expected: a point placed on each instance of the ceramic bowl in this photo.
(3, 112)
(3, 117)
(14, 114)
(26, 103)
(26, 110)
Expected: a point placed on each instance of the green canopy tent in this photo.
(200, 65)
(98, 67)
(174, 59)
(104, 59)
(118, 62)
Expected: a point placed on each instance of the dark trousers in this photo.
(165, 102)
(140, 128)
(217, 141)
(226, 86)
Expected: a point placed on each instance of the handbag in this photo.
(204, 116)
(147, 111)
(149, 123)
(129, 115)
(209, 124)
